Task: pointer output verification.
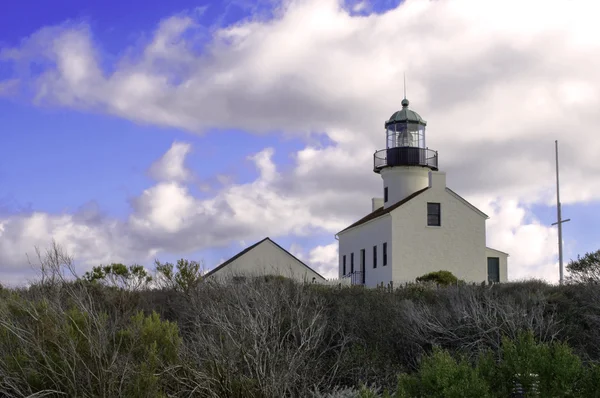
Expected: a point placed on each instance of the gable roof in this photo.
(382, 211)
(249, 248)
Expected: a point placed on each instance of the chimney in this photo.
(437, 180)
(376, 203)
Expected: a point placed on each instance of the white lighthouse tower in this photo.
(406, 161)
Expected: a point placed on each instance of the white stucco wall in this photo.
(403, 181)
(267, 259)
(365, 236)
(458, 245)
(489, 252)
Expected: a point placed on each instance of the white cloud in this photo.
(171, 167)
(324, 259)
(497, 82)
(321, 258)
(532, 246)
(490, 90)
(90, 241)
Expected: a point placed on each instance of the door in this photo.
(493, 269)
(362, 265)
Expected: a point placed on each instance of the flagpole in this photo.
(559, 221)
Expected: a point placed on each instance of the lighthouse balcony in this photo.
(405, 156)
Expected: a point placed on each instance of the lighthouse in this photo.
(405, 163)
(419, 225)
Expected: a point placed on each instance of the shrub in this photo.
(442, 376)
(153, 346)
(78, 351)
(534, 368)
(443, 278)
(119, 275)
(263, 339)
(585, 269)
(549, 368)
(183, 278)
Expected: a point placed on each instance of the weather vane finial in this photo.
(404, 101)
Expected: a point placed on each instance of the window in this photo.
(351, 262)
(363, 264)
(344, 265)
(434, 217)
(493, 269)
(362, 259)
(385, 253)
(375, 256)
(385, 194)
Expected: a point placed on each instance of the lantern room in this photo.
(405, 128)
(406, 145)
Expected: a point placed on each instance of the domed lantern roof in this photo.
(406, 115)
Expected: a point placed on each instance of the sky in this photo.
(134, 131)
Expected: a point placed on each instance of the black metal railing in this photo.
(405, 156)
(356, 277)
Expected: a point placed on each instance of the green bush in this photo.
(153, 345)
(442, 376)
(82, 352)
(539, 369)
(444, 278)
(550, 368)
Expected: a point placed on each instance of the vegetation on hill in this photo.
(118, 332)
(585, 269)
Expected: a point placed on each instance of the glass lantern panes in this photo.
(405, 135)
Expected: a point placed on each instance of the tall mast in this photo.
(559, 221)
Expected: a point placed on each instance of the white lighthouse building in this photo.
(419, 225)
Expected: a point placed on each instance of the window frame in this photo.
(497, 264)
(363, 259)
(363, 264)
(375, 256)
(385, 257)
(435, 215)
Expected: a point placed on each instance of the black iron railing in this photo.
(405, 156)
(356, 277)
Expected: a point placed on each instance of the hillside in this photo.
(271, 337)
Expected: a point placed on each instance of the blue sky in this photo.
(57, 160)
(66, 147)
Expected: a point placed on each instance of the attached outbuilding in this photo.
(497, 263)
(265, 258)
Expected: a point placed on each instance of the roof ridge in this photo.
(246, 250)
(382, 211)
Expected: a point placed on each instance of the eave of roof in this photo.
(467, 203)
(496, 250)
(382, 211)
(246, 250)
